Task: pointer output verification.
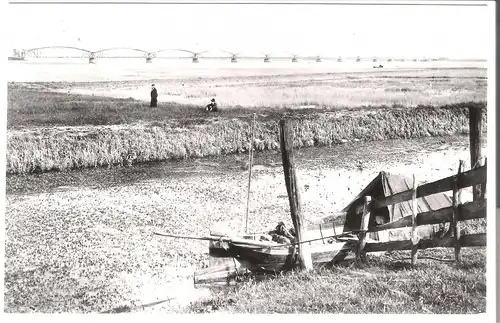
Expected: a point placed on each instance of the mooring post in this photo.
(286, 143)
(475, 134)
(365, 220)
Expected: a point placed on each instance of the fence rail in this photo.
(470, 178)
(453, 215)
(470, 240)
(466, 211)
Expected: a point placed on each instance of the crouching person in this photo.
(281, 235)
(212, 107)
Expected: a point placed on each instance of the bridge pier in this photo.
(318, 60)
(91, 60)
(195, 60)
(149, 60)
(234, 60)
(294, 60)
(267, 60)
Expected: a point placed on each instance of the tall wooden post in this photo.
(286, 142)
(475, 134)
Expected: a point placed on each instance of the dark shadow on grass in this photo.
(398, 265)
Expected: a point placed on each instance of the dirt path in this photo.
(82, 241)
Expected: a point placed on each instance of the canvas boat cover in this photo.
(387, 184)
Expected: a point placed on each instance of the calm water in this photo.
(49, 70)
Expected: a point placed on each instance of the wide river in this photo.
(79, 70)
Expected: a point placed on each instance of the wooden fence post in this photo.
(455, 226)
(321, 232)
(475, 133)
(483, 188)
(286, 142)
(414, 236)
(365, 219)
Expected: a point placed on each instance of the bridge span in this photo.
(70, 52)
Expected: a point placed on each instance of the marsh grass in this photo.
(385, 284)
(59, 131)
(70, 148)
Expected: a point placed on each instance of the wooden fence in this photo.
(454, 215)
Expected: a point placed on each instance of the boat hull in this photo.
(279, 258)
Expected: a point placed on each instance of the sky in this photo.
(327, 30)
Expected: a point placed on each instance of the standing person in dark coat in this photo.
(154, 97)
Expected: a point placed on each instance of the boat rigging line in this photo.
(250, 161)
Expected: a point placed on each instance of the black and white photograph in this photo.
(244, 157)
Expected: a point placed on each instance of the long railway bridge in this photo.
(69, 52)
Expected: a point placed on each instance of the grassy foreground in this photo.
(385, 284)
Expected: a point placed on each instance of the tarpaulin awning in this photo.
(387, 184)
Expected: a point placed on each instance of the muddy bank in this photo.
(82, 241)
(347, 156)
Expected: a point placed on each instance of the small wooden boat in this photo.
(232, 256)
(270, 256)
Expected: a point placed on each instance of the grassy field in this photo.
(319, 90)
(325, 90)
(385, 284)
(51, 130)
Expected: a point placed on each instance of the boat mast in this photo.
(250, 161)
